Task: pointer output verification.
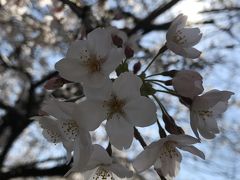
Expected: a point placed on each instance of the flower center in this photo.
(94, 65)
(70, 129)
(179, 38)
(102, 174)
(114, 106)
(205, 114)
(168, 150)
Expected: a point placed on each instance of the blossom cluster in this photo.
(128, 100)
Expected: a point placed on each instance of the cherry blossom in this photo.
(101, 166)
(187, 83)
(90, 61)
(204, 111)
(180, 39)
(61, 127)
(122, 105)
(165, 156)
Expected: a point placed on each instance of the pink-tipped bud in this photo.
(55, 83)
(137, 66)
(128, 52)
(117, 41)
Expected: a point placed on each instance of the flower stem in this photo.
(168, 92)
(160, 104)
(162, 50)
(161, 131)
(157, 74)
(156, 82)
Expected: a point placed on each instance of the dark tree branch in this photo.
(34, 172)
(221, 10)
(138, 136)
(148, 20)
(79, 11)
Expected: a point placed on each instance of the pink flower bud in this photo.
(54, 83)
(128, 52)
(117, 40)
(137, 66)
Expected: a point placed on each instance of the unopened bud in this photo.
(117, 41)
(55, 83)
(186, 101)
(137, 66)
(170, 125)
(128, 52)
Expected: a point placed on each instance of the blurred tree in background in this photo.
(34, 34)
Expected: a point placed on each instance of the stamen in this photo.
(53, 136)
(204, 114)
(70, 129)
(168, 150)
(102, 174)
(179, 38)
(114, 106)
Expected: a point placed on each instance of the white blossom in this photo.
(101, 166)
(165, 156)
(91, 61)
(204, 111)
(60, 126)
(180, 39)
(122, 105)
(187, 83)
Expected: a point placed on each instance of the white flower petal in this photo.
(205, 133)
(50, 128)
(192, 53)
(170, 163)
(193, 150)
(211, 125)
(69, 129)
(114, 58)
(82, 150)
(120, 170)
(194, 123)
(211, 98)
(176, 48)
(193, 36)
(182, 139)
(148, 156)
(78, 50)
(51, 136)
(127, 86)
(89, 114)
(71, 69)
(141, 111)
(68, 145)
(120, 132)
(59, 109)
(99, 41)
(101, 93)
(98, 157)
(95, 80)
(178, 23)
